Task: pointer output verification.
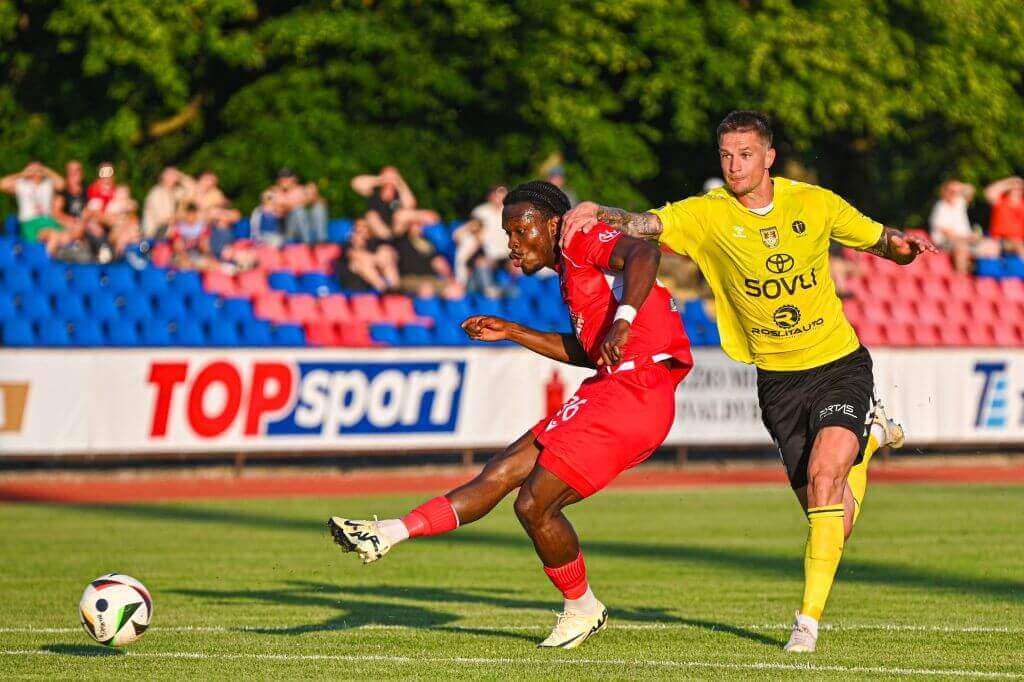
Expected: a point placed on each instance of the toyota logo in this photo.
(779, 263)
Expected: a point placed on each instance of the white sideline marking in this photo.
(881, 627)
(806, 667)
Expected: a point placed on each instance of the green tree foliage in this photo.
(878, 99)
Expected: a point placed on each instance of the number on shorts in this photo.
(567, 411)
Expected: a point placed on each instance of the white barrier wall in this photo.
(79, 402)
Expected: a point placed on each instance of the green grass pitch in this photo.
(699, 583)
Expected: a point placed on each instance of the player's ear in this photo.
(769, 157)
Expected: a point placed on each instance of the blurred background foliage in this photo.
(878, 99)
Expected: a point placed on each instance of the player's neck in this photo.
(760, 196)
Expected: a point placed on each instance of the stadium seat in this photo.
(220, 283)
(518, 309)
(366, 308)
(119, 278)
(298, 258)
(87, 333)
(960, 287)
(302, 308)
(339, 230)
(155, 333)
(8, 311)
(34, 305)
(7, 252)
(18, 333)
(203, 306)
(256, 333)
(979, 334)
(85, 279)
(448, 334)
(283, 281)
(530, 287)
(335, 308)
(122, 332)
(852, 308)
(900, 334)
(857, 288)
(153, 280)
(169, 306)
(953, 335)
(1006, 334)
(242, 229)
(252, 283)
(984, 310)
(988, 289)
(428, 307)
(905, 288)
(398, 309)
(135, 306)
(1012, 289)
(52, 279)
(354, 335)
(385, 334)
(325, 255)
(321, 334)
(416, 335)
(871, 333)
(990, 267)
(189, 333)
(18, 278)
(69, 306)
(53, 333)
(955, 311)
(1014, 266)
(927, 312)
(925, 334)
(458, 309)
(223, 333)
(270, 306)
(269, 257)
(34, 254)
(289, 335)
(237, 309)
(186, 281)
(316, 283)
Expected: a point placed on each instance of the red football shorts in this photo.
(613, 422)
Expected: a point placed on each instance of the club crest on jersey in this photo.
(770, 236)
(799, 227)
(607, 236)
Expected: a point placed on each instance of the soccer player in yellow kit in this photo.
(762, 243)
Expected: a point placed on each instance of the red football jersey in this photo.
(591, 290)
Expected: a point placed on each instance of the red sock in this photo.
(570, 579)
(433, 517)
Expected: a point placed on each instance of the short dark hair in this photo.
(540, 194)
(744, 121)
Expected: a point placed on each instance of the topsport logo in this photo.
(306, 398)
(994, 397)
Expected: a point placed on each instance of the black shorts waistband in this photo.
(857, 355)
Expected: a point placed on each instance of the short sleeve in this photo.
(593, 248)
(849, 226)
(682, 230)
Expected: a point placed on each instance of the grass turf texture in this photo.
(699, 583)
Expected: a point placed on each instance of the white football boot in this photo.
(893, 430)
(572, 629)
(803, 639)
(361, 537)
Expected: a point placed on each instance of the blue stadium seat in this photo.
(85, 278)
(7, 251)
(7, 309)
(53, 333)
(69, 306)
(386, 334)
(203, 306)
(18, 278)
(550, 286)
(11, 226)
(439, 235)
(87, 332)
(155, 333)
(289, 335)
(990, 267)
(135, 306)
(484, 305)
(457, 309)
(339, 230)
(242, 229)
(237, 309)
(34, 254)
(120, 277)
(53, 279)
(256, 333)
(223, 333)
(185, 281)
(1014, 266)
(153, 280)
(283, 281)
(416, 335)
(170, 305)
(18, 333)
(449, 334)
(121, 332)
(694, 313)
(530, 287)
(317, 283)
(34, 305)
(189, 333)
(518, 309)
(102, 305)
(428, 307)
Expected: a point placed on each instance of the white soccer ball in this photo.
(115, 609)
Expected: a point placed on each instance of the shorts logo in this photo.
(770, 236)
(779, 263)
(607, 236)
(837, 409)
(799, 228)
(787, 316)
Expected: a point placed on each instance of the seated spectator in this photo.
(68, 207)
(34, 188)
(482, 244)
(232, 257)
(190, 240)
(101, 190)
(266, 224)
(391, 205)
(122, 220)
(1007, 223)
(949, 225)
(304, 210)
(421, 267)
(162, 202)
(367, 263)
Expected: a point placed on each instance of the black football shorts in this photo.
(796, 405)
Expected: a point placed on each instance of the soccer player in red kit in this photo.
(627, 328)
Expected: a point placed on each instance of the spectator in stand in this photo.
(34, 188)
(304, 210)
(556, 176)
(190, 240)
(232, 258)
(162, 202)
(950, 226)
(101, 190)
(482, 243)
(391, 205)
(267, 220)
(423, 270)
(1007, 223)
(122, 220)
(367, 263)
(68, 207)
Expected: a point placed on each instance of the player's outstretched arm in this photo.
(900, 247)
(638, 260)
(587, 214)
(561, 347)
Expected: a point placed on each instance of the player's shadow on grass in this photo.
(735, 630)
(82, 650)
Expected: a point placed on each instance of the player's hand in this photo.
(583, 217)
(487, 328)
(907, 247)
(611, 349)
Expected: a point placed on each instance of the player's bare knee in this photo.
(527, 509)
(825, 483)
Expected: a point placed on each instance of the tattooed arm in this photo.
(588, 214)
(899, 247)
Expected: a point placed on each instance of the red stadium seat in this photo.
(928, 312)
(269, 258)
(335, 308)
(879, 286)
(988, 289)
(1012, 288)
(960, 287)
(925, 335)
(270, 306)
(298, 259)
(324, 255)
(899, 334)
(953, 335)
(398, 310)
(355, 335)
(858, 288)
(1006, 334)
(252, 283)
(955, 312)
(985, 311)
(933, 286)
(302, 308)
(220, 283)
(979, 334)
(871, 334)
(322, 334)
(906, 288)
(937, 263)
(854, 311)
(366, 308)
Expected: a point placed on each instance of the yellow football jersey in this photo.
(774, 296)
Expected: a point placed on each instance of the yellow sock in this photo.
(858, 477)
(824, 549)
